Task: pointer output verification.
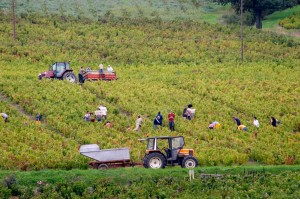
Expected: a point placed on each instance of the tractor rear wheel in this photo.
(71, 77)
(189, 162)
(155, 161)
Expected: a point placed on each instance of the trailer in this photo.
(97, 75)
(107, 158)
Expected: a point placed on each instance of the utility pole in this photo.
(14, 18)
(242, 34)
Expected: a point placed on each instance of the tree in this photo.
(260, 8)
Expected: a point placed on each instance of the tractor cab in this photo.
(170, 146)
(59, 70)
(168, 150)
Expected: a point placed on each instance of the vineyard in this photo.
(161, 66)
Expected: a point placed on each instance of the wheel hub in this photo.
(70, 78)
(190, 164)
(155, 163)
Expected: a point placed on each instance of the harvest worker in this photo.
(87, 116)
(81, 71)
(5, 117)
(80, 75)
(190, 112)
(110, 69)
(171, 117)
(88, 69)
(160, 118)
(156, 122)
(211, 125)
(101, 67)
(138, 123)
(242, 127)
(255, 122)
(38, 118)
(98, 115)
(214, 125)
(237, 121)
(103, 111)
(273, 122)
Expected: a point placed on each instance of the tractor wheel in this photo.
(70, 77)
(189, 162)
(155, 161)
(103, 166)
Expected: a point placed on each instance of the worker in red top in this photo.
(171, 117)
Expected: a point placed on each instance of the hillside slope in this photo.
(162, 66)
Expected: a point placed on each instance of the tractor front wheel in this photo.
(155, 161)
(189, 162)
(70, 77)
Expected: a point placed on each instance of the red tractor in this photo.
(62, 70)
(59, 70)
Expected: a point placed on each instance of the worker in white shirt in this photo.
(5, 117)
(110, 69)
(255, 122)
(103, 111)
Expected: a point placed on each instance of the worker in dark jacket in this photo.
(160, 118)
(237, 121)
(156, 122)
(273, 122)
(38, 118)
(80, 75)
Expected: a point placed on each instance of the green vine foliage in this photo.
(161, 66)
(291, 22)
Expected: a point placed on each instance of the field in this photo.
(161, 66)
(244, 182)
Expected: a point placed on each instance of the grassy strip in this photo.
(272, 20)
(30, 178)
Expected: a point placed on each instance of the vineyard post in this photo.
(13, 18)
(242, 37)
(191, 175)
